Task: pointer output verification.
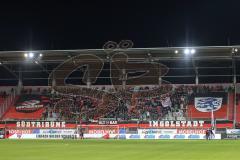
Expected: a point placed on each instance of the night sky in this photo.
(81, 25)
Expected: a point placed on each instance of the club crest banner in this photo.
(207, 104)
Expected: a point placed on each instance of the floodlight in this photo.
(176, 51)
(193, 51)
(186, 51)
(25, 55)
(40, 55)
(30, 55)
(236, 50)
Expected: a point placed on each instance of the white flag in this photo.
(166, 102)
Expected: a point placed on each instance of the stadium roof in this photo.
(165, 53)
(213, 64)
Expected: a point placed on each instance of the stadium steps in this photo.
(16, 98)
(238, 112)
(1, 100)
(231, 106)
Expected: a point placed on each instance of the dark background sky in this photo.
(76, 25)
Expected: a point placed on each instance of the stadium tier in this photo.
(149, 93)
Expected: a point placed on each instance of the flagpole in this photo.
(213, 129)
(212, 119)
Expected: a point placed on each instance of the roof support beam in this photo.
(196, 71)
(235, 89)
(10, 71)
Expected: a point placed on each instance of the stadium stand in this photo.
(110, 91)
(1, 100)
(145, 103)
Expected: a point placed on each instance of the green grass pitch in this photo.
(119, 150)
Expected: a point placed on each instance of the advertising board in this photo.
(167, 136)
(42, 133)
(233, 133)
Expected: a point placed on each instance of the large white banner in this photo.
(207, 104)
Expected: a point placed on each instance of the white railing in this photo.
(7, 103)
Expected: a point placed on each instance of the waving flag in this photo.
(166, 102)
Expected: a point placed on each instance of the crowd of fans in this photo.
(144, 103)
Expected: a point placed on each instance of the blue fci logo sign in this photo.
(193, 136)
(179, 136)
(134, 136)
(166, 136)
(150, 136)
